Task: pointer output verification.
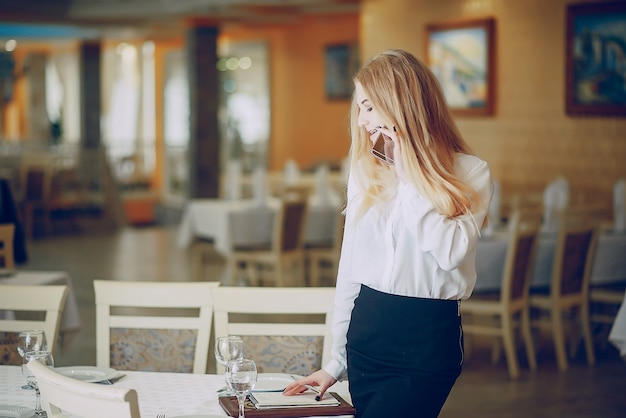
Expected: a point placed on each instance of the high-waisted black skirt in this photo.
(404, 354)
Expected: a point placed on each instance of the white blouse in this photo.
(405, 247)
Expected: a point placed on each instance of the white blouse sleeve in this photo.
(345, 293)
(449, 240)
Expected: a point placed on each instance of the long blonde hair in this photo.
(407, 96)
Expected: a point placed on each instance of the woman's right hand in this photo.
(320, 378)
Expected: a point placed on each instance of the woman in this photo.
(409, 245)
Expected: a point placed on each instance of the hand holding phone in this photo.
(383, 148)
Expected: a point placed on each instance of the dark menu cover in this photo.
(229, 404)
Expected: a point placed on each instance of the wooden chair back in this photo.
(286, 246)
(7, 258)
(523, 235)
(573, 259)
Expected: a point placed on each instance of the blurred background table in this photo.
(609, 264)
(230, 222)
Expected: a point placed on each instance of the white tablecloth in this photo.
(70, 320)
(173, 394)
(618, 331)
(251, 223)
(609, 264)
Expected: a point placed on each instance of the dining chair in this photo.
(285, 329)
(283, 256)
(567, 297)
(323, 258)
(63, 396)
(508, 311)
(153, 326)
(32, 307)
(35, 184)
(7, 258)
(604, 304)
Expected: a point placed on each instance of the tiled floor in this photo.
(483, 390)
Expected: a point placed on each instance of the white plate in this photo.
(87, 373)
(272, 382)
(14, 411)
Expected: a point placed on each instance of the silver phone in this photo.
(383, 149)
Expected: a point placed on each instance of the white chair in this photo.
(244, 311)
(127, 323)
(63, 396)
(32, 299)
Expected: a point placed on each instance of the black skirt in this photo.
(404, 354)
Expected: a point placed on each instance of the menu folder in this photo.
(231, 407)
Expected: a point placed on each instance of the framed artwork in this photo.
(462, 56)
(341, 64)
(596, 59)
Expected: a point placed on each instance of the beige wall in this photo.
(530, 140)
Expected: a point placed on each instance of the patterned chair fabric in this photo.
(153, 350)
(8, 349)
(299, 355)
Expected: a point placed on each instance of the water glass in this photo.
(44, 357)
(241, 376)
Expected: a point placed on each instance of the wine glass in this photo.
(44, 357)
(31, 340)
(241, 375)
(228, 348)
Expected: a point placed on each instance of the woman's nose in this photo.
(361, 120)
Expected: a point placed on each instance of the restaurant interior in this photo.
(171, 148)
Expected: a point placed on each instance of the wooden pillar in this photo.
(204, 143)
(90, 95)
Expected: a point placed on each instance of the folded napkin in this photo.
(494, 209)
(555, 200)
(292, 173)
(259, 186)
(324, 194)
(233, 180)
(619, 205)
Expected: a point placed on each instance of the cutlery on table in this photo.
(111, 380)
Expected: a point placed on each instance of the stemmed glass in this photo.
(31, 340)
(228, 348)
(44, 357)
(241, 377)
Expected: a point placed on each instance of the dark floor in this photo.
(483, 390)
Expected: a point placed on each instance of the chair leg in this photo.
(314, 269)
(496, 350)
(197, 262)
(558, 337)
(508, 340)
(588, 337)
(528, 340)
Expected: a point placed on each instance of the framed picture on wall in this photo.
(341, 63)
(596, 59)
(462, 56)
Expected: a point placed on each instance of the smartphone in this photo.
(383, 149)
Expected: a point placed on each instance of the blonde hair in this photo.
(406, 94)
